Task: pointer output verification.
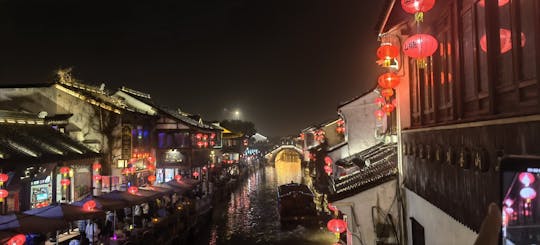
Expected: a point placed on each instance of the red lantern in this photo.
(3, 194)
(527, 193)
(331, 207)
(198, 136)
(178, 177)
(387, 52)
(89, 205)
(482, 3)
(19, 239)
(417, 7)
(379, 101)
(65, 182)
(133, 190)
(125, 171)
(3, 178)
(388, 108)
(505, 36)
(387, 93)
(97, 177)
(151, 178)
(327, 160)
(327, 169)
(526, 178)
(379, 114)
(212, 135)
(151, 167)
(212, 165)
(195, 174)
(96, 166)
(199, 144)
(64, 170)
(388, 80)
(508, 202)
(337, 225)
(420, 46)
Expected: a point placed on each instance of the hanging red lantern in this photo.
(420, 46)
(198, 136)
(527, 193)
(332, 207)
(200, 144)
(96, 166)
(195, 174)
(505, 36)
(64, 170)
(19, 239)
(212, 135)
(125, 171)
(388, 80)
(417, 7)
(133, 190)
(65, 183)
(3, 178)
(212, 165)
(151, 178)
(337, 225)
(387, 93)
(379, 114)
(151, 167)
(388, 108)
(89, 205)
(327, 169)
(482, 3)
(387, 52)
(3, 194)
(178, 177)
(526, 178)
(327, 160)
(379, 101)
(508, 202)
(97, 177)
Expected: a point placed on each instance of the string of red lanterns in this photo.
(417, 7)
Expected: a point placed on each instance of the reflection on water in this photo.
(251, 215)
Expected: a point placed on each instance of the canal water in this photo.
(251, 215)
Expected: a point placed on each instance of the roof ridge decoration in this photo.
(136, 92)
(65, 78)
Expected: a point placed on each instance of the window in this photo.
(418, 234)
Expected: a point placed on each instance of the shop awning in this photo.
(131, 199)
(102, 203)
(25, 223)
(66, 212)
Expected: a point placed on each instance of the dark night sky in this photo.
(285, 64)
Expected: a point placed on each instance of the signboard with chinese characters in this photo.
(126, 142)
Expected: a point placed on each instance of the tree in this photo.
(237, 126)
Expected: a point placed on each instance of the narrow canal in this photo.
(251, 215)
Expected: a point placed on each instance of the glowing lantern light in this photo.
(417, 7)
(505, 36)
(97, 177)
(212, 165)
(527, 193)
(150, 159)
(89, 205)
(327, 169)
(199, 144)
(327, 160)
(151, 167)
(482, 3)
(195, 174)
(3, 194)
(388, 108)
(379, 101)
(64, 170)
(388, 80)
(125, 171)
(212, 135)
(387, 93)
(19, 239)
(198, 136)
(133, 190)
(65, 183)
(151, 178)
(132, 170)
(332, 207)
(178, 177)
(204, 168)
(337, 225)
(387, 52)
(526, 178)
(508, 202)
(3, 178)
(420, 46)
(379, 114)
(96, 166)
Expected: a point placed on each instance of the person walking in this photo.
(92, 233)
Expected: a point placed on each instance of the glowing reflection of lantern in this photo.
(420, 46)
(178, 177)
(327, 160)
(526, 178)
(527, 193)
(151, 178)
(387, 52)
(133, 190)
(3, 194)
(19, 239)
(337, 225)
(65, 183)
(417, 7)
(327, 169)
(482, 3)
(388, 80)
(3, 178)
(89, 205)
(505, 37)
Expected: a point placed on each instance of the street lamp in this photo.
(237, 115)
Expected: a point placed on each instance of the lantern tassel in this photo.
(419, 17)
(1, 199)
(387, 62)
(421, 63)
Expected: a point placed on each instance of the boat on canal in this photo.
(295, 204)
